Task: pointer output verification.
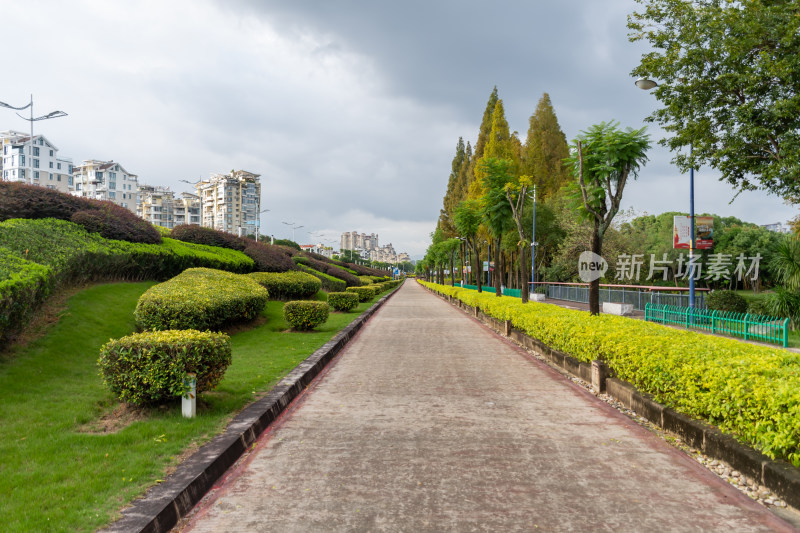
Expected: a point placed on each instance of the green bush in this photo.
(726, 301)
(364, 293)
(758, 306)
(343, 301)
(745, 389)
(24, 285)
(200, 298)
(329, 283)
(305, 315)
(164, 232)
(149, 368)
(365, 280)
(288, 285)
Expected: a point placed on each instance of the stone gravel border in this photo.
(166, 503)
(779, 477)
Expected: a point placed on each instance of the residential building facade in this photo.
(44, 167)
(353, 240)
(230, 202)
(159, 206)
(106, 180)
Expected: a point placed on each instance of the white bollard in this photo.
(189, 401)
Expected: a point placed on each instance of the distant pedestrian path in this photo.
(429, 421)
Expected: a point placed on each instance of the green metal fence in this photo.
(745, 325)
(517, 293)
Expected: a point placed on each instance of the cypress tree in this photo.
(545, 150)
(449, 202)
(483, 136)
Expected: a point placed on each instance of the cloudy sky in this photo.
(350, 110)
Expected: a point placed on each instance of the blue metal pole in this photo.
(533, 243)
(693, 242)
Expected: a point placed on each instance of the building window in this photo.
(51, 176)
(51, 153)
(51, 164)
(58, 165)
(112, 195)
(58, 177)
(35, 151)
(36, 174)
(35, 163)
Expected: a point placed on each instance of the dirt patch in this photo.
(122, 416)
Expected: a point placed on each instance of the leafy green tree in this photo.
(455, 191)
(483, 136)
(602, 160)
(729, 81)
(468, 221)
(516, 194)
(497, 212)
(545, 150)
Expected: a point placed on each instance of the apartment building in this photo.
(159, 206)
(44, 167)
(106, 180)
(231, 202)
(358, 241)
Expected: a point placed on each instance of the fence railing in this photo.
(747, 326)
(639, 298)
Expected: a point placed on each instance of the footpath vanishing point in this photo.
(429, 421)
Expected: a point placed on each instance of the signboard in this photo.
(681, 232)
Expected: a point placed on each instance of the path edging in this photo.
(163, 505)
(778, 476)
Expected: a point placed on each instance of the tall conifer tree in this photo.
(483, 136)
(450, 198)
(545, 150)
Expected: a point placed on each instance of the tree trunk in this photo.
(594, 285)
(498, 277)
(478, 270)
(453, 267)
(523, 274)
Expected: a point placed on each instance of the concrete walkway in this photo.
(428, 421)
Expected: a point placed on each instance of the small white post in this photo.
(189, 401)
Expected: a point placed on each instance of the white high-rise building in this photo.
(44, 168)
(106, 180)
(231, 202)
(187, 209)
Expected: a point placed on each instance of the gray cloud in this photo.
(349, 110)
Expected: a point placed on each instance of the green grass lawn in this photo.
(57, 476)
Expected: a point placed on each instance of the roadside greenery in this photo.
(305, 315)
(288, 285)
(77, 452)
(749, 391)
(200, 298)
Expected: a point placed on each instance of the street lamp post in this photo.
(294, 227)
(258, 227)
(32, 119)
(645, 84)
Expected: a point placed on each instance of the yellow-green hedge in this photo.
(200, 298)
(748, 390)
(151, 367)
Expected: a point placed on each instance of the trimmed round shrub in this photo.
(343, 301)
(200, 298)
(305, 315)
(364, 293)
(365, 280)
(726, 301)
(151, 367)
(288, 285)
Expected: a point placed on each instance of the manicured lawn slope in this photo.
(54, 475)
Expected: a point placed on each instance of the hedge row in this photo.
(200, 298)
(106, 218)
(151, 367)
(24, 286)
(329, 283)
(38, 255)
(329, 269)
(288, 285)
(747, 390)
(267, 258)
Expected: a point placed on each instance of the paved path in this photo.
(428, 421)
